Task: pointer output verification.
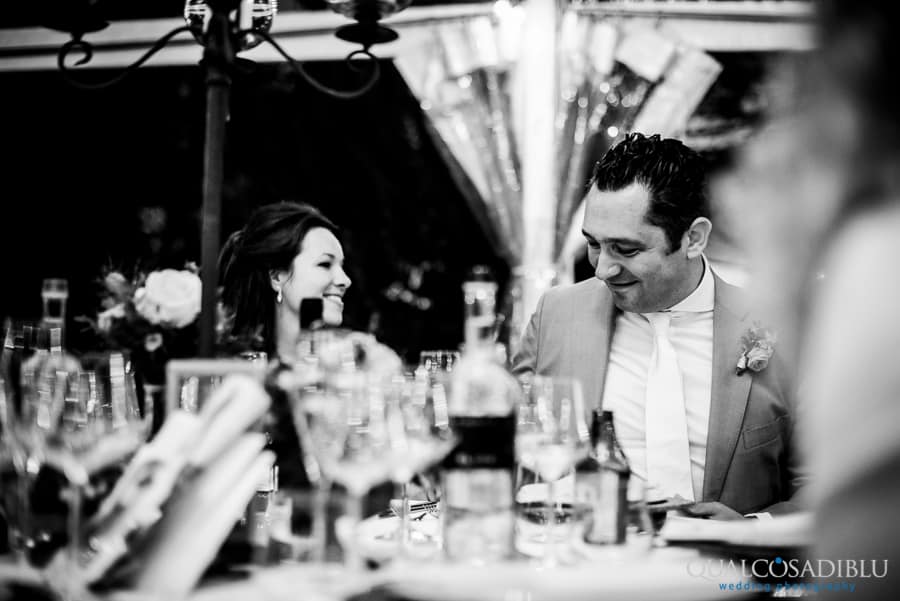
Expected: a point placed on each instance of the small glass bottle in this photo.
(601, 481)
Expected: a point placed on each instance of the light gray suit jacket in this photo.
(751, 463)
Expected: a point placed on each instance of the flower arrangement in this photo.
(757, 348)
(152, 315)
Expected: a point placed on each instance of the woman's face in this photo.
(317, 272)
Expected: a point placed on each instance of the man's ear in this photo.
(697, 237)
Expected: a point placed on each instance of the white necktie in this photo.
(668, 450)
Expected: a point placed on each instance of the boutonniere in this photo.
(757, 347)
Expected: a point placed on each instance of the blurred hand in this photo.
(712, 510)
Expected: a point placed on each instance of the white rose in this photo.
(169, 297)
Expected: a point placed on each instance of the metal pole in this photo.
(218, 57)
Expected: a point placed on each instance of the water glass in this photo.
(551, 436)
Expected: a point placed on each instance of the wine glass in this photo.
(551, 436)
(438, 360)
(31, 409)
(420, 402)
(63, 420)
(352, 432)
(101, 426)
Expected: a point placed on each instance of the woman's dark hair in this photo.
(674, 175)
(269, 241)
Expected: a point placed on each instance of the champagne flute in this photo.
(552, 435)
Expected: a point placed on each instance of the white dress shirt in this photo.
(624, 392)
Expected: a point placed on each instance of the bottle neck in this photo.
(480, 311)
(603, 437)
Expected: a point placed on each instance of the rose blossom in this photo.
(169, 297)
(758, 358)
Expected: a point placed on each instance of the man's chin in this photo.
(624, 296)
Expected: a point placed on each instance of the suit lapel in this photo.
(592, 351)
(729, 390)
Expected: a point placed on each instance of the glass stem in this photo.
(404, 519)
(353, 560)
(78, 480)
(320, 520)
(550, 542)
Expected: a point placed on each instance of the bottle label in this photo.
(478, 490)
(604, 491)
(484, 442)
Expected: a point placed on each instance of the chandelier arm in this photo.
(342, 94)
(87, 48)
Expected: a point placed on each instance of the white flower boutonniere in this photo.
(757, 348)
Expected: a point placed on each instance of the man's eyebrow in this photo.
(619, 241)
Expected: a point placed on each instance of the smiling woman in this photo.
(285, 253)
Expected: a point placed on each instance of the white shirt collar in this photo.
(703, 298)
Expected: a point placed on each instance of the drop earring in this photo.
(278, 297)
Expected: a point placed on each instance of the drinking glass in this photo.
(439, 360)
(353, 433)
(420, 401)
(551, 436)
(72, 420)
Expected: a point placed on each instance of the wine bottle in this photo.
(477, 476)
(601, 481)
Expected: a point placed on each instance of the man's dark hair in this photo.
(674, 175)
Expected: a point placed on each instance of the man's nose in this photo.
(607, 269)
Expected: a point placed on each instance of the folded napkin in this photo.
(206, 457)
(199, 517)
(791, 530)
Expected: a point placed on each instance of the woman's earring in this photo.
(278, 297)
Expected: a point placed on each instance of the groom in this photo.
(702, 404)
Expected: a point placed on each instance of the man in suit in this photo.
(657, 338)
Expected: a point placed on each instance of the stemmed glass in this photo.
(72, 419)
(438, 360)
(551, 436)
(352, 431)
(420, 403)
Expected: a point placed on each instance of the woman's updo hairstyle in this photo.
(268, 243)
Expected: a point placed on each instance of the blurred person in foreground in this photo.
(819, 193)
(702, 407)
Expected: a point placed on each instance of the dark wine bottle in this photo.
(601, 481)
